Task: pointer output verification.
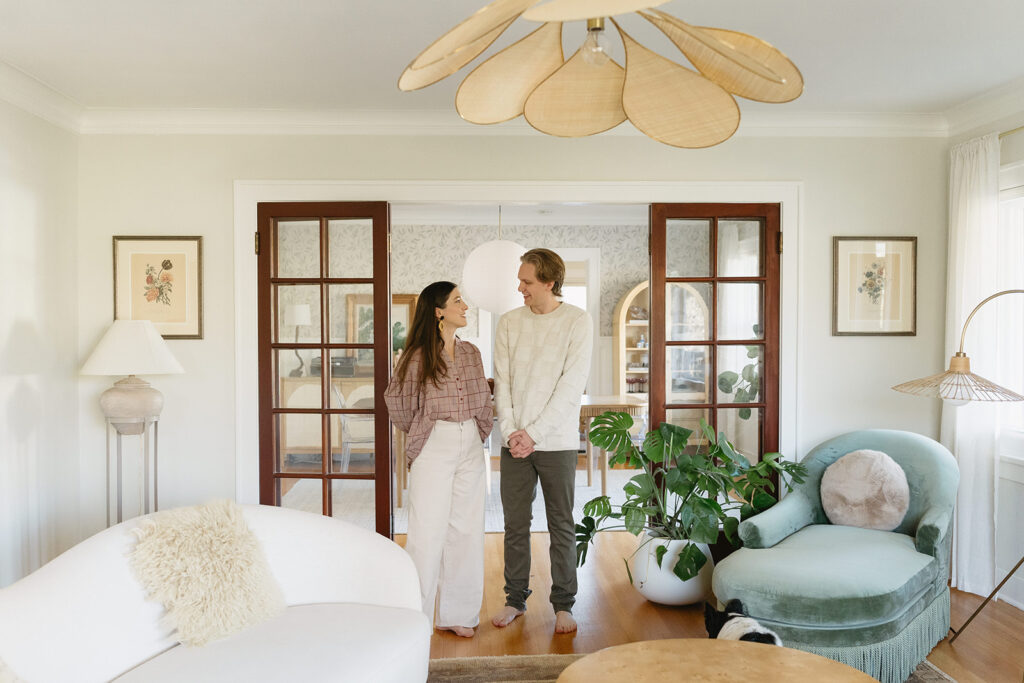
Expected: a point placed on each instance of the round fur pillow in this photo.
(867, 489)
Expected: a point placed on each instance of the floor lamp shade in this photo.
(958, 384)
(131, 347)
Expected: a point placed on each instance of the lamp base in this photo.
(128, 402)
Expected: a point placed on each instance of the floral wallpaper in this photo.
(624, 259)
(421, 254)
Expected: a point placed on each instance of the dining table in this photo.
(591, 406)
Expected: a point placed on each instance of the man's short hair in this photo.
(549, 266)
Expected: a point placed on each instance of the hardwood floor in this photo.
(610, 612)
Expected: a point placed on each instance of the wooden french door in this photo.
(715, 320)
(324, 359)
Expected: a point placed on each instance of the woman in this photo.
(440, 398)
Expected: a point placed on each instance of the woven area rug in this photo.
(545, 669)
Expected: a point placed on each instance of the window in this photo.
(1010, 267)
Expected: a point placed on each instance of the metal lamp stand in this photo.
(149, 434)
(956, 633)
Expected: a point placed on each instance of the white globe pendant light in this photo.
(490, 277)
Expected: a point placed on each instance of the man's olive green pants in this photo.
(556, 471)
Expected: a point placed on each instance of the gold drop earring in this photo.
(440, 324)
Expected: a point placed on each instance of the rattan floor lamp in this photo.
(959, 385)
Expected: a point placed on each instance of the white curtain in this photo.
(970, 431)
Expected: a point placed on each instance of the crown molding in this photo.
(38, 98)
(985, 109)
(97, 121)
(780, 123)
(35, 97)
(102, 121)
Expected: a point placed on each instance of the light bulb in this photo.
(596, 48)
(955, 403)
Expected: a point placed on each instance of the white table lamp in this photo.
(131, 347)
(296, 315)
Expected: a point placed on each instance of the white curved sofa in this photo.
(353, 613)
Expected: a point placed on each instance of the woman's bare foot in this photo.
(506, 616)
(564, 623)
(461, 631)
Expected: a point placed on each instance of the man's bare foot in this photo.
(506, 616)
(461, 631)
(564, 623)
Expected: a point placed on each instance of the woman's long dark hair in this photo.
(425, 337)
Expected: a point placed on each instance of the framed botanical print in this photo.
(360, 320)
(874, 286)
(160, 279)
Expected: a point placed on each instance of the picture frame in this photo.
(360, 321)
(160, 278)
(874, 286)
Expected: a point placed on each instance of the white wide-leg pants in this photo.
(446, 523)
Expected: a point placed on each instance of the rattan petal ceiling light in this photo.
(589, 92)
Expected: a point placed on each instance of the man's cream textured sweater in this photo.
(541, 364)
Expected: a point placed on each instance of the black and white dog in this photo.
(734, 624)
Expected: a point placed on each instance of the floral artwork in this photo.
(874, 286)
(874, 282)
(160, 279)
(159, 283)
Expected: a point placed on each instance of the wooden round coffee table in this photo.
(705, 659)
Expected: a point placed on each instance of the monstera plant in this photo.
(684, 491)
(747, 382)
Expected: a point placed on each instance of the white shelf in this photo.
(629, 333)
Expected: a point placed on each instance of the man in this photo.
(541, 362)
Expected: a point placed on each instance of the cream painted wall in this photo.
(38, 349)
(183, 185)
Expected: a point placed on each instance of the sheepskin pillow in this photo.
(867, 489)
(207, 569)
(8, 676)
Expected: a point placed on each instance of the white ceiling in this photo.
(909, 56)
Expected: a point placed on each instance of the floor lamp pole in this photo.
(956, 634)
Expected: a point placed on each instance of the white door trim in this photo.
(247, 193)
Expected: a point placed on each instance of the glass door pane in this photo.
(739, 248)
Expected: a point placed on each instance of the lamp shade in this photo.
(490, 276)
(958, 385)
(297, 314)
(132, 347)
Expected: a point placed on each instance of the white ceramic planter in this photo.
(659, 584)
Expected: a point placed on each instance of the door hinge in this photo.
(778, 243)
(257, 244)
(389, 242)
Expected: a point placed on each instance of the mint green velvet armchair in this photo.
(876, 600)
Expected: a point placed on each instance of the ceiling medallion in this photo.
(590, 92)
